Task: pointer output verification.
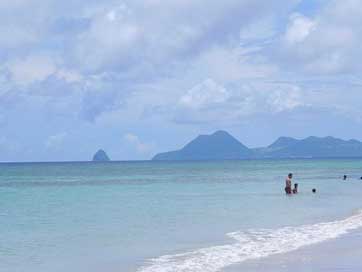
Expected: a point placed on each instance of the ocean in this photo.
(170, 216)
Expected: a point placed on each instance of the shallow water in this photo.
(126, 216)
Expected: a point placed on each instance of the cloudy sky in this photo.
(137, 77)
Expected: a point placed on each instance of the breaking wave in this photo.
(252, 244)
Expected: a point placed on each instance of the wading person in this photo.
(288, 184)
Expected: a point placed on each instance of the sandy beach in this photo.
(341, 254)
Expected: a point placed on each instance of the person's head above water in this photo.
(290, 175)
(314, 191)
(295, 190)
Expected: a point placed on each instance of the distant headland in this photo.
(223, 146)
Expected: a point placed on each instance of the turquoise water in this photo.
(126, 216)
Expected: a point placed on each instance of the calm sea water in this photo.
(174, 217)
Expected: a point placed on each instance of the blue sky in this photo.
(137, 77)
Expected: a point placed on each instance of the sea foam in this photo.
(253, 244)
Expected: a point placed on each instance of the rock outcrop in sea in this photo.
(101, 156)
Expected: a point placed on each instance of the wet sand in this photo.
(341, 254)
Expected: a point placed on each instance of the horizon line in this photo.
(194, 161)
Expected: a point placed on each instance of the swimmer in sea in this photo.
(295, 190)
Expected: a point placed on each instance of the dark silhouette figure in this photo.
(314, 191)
(295, 190)
(345, 177)
(288, 184)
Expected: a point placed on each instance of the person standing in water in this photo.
(288, 184)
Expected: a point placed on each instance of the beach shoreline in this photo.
(341, 254)
(199, 217)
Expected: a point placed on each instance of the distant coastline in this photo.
(174, 161)
(223, 146)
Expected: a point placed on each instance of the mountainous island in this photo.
(101, 156)
(220, 145)
(223, 146)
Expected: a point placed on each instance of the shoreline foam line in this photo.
(253, 244)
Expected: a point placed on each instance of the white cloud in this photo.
(327, 43)
(140, 146)
(159, 32)
(70, 76)
(204, 94)
(101, 93)
(113, 62)
(31, 69)
(37, 69)
(232, 63)
(285, 98)
(110, 40)
(299, 28)
(209, 102)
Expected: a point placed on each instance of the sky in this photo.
(138, 77)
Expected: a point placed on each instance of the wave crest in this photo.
(253, 244)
